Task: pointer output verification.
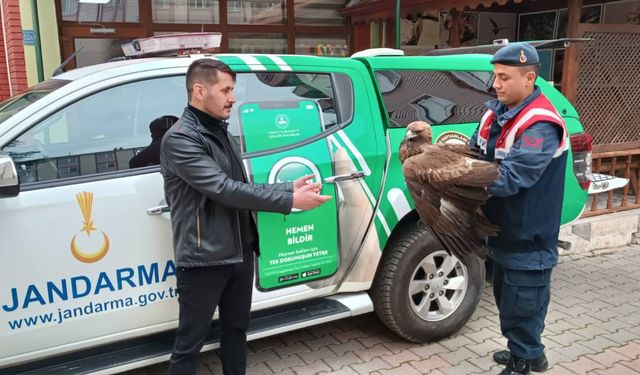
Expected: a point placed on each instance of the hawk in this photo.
(448, 184)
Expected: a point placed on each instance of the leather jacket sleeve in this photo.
(189, 161)
(282, 186)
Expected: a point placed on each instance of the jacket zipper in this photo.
(226, 153)
(198, 226)
(239, 236)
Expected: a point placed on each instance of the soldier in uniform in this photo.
(525, 135)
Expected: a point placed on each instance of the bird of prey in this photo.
(448, 185)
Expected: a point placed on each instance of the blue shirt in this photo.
(520, 170)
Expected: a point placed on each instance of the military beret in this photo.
(516, 54)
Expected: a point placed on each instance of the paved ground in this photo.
(593, 328)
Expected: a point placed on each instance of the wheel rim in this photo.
(437, 286)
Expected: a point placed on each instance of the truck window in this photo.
(438, 97)
(97, 134)
(16, 103)
(286, 88)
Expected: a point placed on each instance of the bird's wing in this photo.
(454, 172)
(444, 165)
(427, 202)
(460, 149)
(453, 181)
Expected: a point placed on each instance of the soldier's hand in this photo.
(307, 197)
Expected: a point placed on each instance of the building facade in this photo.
(13, 72)
(599, 76)
(95, 31)
(29, 44)
(38, 35)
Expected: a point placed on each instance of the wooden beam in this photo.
(571, 66)
(384, 27)
(609, 211)
(291, 19)
(628, 147)
(390, 32)
(359, 38)
(224, 20)
(456, 28)
(608, 27)
(67, 47)
(146, 16)
(131, 31)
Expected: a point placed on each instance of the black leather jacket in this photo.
(204, 200)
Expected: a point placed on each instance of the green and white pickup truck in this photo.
(88, 281)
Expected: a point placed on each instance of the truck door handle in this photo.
(343, 177)
(158, 210)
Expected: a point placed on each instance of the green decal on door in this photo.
(302, 246)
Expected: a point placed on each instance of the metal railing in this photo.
(621, 163)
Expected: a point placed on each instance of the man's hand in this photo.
(307, 197)
(302, 181)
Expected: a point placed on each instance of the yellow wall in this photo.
(49, 42)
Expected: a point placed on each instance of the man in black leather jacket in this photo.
(214, 230)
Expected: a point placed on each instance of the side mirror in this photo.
(9, 182)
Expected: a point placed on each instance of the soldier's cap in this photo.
(516, 54)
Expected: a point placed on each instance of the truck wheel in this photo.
(423, 293)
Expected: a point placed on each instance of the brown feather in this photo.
(448, 186)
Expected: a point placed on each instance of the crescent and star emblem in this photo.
(85, 201)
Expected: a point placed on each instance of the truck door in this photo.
(82, 258)
(291, 124)
(302, 246)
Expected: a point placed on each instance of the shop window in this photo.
(321, 46)
(233, 6)
(258, 12)
(113, 11)
(319, 12)
(161, 4)
(186, 11)
(114, 4)
(91, 51)
(257, 43)
(201, 4)
(438, 97)
(69, 8)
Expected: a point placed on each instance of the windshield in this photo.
(13, 105)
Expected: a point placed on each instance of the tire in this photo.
(444, 290)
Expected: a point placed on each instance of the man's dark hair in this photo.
(531, 68)
(160, 125)
(206, 71)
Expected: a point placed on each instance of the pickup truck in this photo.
(88, 280)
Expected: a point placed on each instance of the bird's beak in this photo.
(410, 134)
